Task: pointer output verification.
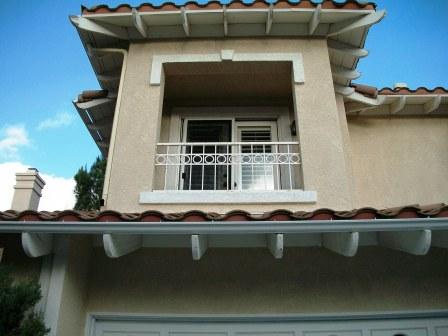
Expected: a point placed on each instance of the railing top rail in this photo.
(227, 143)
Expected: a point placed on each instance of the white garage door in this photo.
(271, 327)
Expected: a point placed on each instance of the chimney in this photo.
(27, 191)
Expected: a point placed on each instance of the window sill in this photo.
(226, 197)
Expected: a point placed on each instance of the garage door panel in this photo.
(442, 331)
(259, 333)
(198, 333)
(334, 333)
(401, 332)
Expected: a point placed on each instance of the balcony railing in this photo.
(228, 165)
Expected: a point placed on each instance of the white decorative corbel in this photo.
(345, 243)
(269, 19)
(349, 25)
(433, 104)
(398, 105)
(37, 244)
(414, 242)
(185, 22)
(100, 28)
(276, 244)
(199, 245)
(118, 245)
(138, 23)
(315, 19)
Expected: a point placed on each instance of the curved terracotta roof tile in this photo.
(409, 211)
(191, 5)
(407, 91)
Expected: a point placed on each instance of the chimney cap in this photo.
(400, 85)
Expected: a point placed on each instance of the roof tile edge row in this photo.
(412, 211)
(408, 91)
(372, 92)
(191, 5)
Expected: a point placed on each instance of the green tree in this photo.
(89, 185)
(17, 300)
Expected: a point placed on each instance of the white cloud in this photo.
(56, 195)
(12, 138)
(59, 120)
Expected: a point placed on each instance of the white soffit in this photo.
(404, 105)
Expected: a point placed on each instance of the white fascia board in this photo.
(227, 197)
(226, 227)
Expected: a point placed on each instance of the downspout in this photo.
(110, 153)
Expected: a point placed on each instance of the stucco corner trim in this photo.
(228, 55)
(226, 197)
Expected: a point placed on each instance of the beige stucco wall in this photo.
(399, 161)
(307, 280)
(72, 311)
(138, 128)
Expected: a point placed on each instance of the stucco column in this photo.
(138, 130)
(319, 130)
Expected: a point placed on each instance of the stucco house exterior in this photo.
(252, 188)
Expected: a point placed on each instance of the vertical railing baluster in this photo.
(289, 166)
(166, 166)
(264, 166)
(277, 167)
(252, 162)
(228, 181)
(215, 161)
(191, 166)
(203, 167)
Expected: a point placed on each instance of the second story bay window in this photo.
(228, 135)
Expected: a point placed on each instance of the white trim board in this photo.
(227, 197)
(228, 55)
(382, 323)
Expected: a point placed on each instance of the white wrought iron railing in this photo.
(228, 165)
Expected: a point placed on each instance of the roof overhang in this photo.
(399, 102)
(413, 235)
(345, 26)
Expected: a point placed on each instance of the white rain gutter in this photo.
(225, 227)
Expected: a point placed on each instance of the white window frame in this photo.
(277, 116)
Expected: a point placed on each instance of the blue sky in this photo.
(44, 67)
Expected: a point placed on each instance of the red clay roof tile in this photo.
(412, 211)
(147, 7)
